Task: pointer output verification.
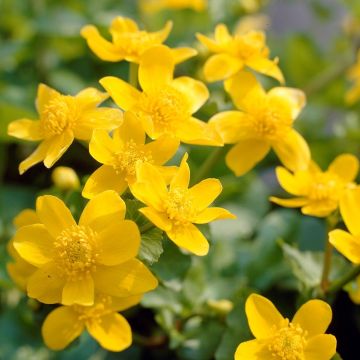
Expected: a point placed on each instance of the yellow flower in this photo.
(75, 261)
(166, 105)
(63, 118)
(18, 269)
(353, 74)
(233, 53)
(152, 6)
(278, 338)
(175, 209)
(318, 192)
(265, 121)
(347, 243)
(128, 42)
(65, 178)
(121, 153)
(64, 324)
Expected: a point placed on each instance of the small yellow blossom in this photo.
(318, 192)
(64, 324)
(129, 43)
(63, 118)
(353, 74)
(76, 261)
(348, 243)
(65, 178)
(264, 122)
(233, 53)
(166, 105)
(120, 154)
(153, 6)
(176, 209)
(278, 338)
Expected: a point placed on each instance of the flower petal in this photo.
(129, 278)
(102, 147)
(61, 327)
(289, 182)
(262, 316)
(350, 209)
(123, 303)
(58, 145)
(211, 214)
(346, 166)
(26, 217)
(103, 179)
(103, 210)
(122, 25)
(204, 193)
(37, 156)
(54, 214)
(252, 350)
(190, 238)
(124, 95)
(222, 34)
(112, 332)
(320, 208)
(314, 317)
(245, 155)
(211, 44)
(46, 284)
(293, 151)
(221, 66)
(156, 68)
(25, 129)
(321, 347)
(162, 149)
(79, 291)
(194, 91)
(34, 244)
(182, 176)
(291, 203)
(44, 95)
(91, 97)
(346, 244)
(119, 242)
(159, 219)
(266, 67)
(183, 53)
(130, 130)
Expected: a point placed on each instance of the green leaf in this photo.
(337, 357)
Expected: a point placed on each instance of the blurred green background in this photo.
(316, 42)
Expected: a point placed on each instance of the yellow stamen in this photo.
(179, 206)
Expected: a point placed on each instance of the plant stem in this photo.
(339, 284)
(133, 74)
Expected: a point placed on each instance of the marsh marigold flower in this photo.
(166, 105)
(176, 209)
(128, 42)
(64, 324)
(265, 121)
(120, 154)
(318, 192)
(75, 261)
(152, 6)
(278, 338)
(233, 53)
(353, 75)
(348, 243)
(63, 118)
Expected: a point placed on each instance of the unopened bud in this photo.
(65, 178)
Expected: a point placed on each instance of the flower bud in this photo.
(65, 178)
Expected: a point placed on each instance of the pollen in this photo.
(288, 343)
(179, 206)
(76, 251)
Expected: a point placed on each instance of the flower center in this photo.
(76, 251)
(91, 314)
(58, 115)
(179, 206)
(125, 161)
(248, 45)
(288, 343)
(325, 186)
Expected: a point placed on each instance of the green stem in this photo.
(146, 227)
(133, 74)
(339, 284)
(209, 163)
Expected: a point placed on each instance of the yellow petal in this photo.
(34, 244)
(193, 90)
(54, 214)
(262, 316)
(211, 214)
(102, 147)
(119, 242)
(320, 208)
(252, 350)
(162, 149)
(211, 44)
(205, 192)
(345, 166)
(46, 284)
(245, 155)
(222, 34)
(112, 331)
(25, 129)
(103, 210)
(161, 35)
(103, 179)
(122, 24)
(289, 182)
(190, 238)
(346, 244)
(156, 68)
(124, 95)
(321, 347)
(314, 317)
(129, 278)
(61, 327)
(182, 177)
(291, 203)
(26, 217)
(230, 126)
(79, 291)
(266, 67)
(91, 97)
(221, 66)
(130, 130)
(102, 48)
(57, 147)
(350, 209)
(182, 54)
(44, 95)
(120, 304)
(293, 151)
(159, 219)
(37, 156)
(20, 272)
